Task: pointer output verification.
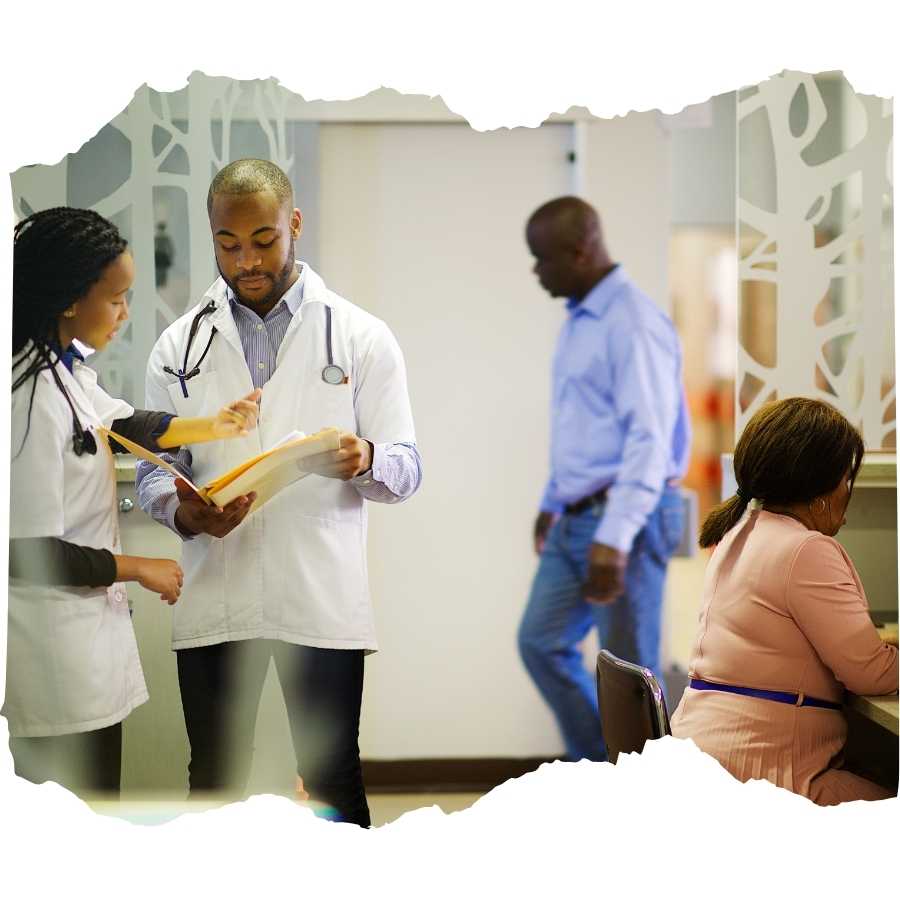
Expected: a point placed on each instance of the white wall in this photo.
(423, 225)
(627, 178)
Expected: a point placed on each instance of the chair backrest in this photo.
(632, 705)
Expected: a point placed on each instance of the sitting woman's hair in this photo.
(791, 451)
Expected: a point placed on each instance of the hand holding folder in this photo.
(264, 475)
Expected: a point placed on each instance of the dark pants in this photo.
(220, 690)
(88, 763)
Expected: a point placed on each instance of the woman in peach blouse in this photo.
(785, 626)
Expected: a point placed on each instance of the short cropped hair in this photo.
(249, 176)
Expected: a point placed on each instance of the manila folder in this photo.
(267, 474)
(272, 471)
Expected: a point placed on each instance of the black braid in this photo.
(58, 255)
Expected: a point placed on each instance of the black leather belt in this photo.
(585, 503)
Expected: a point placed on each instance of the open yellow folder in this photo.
(266, 474)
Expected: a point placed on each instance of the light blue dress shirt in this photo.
(619, 419)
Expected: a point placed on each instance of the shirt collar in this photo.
(597, 298)
(292, 297)
(67, 356)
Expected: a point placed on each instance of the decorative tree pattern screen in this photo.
(149, 171)
(815, 236)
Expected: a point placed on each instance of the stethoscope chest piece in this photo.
(333, 375)
(83, 441)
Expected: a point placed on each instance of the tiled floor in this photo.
(386, 808)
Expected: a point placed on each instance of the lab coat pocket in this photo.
(197, 388)
(200, 610)
(326, 405)
(85, 658)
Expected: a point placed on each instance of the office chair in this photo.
(632, 705)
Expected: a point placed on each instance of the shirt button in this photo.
(259, 328)
(261, 365)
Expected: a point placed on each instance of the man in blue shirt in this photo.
(611, 514)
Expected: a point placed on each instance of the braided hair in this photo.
(58, 255)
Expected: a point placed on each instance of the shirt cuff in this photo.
(161, 428)
(373, 473)
(616, 533)
(172, 504)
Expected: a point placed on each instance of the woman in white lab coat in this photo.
(73, 672)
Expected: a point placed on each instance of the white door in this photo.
(423, 225)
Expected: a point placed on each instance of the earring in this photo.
(69, 313)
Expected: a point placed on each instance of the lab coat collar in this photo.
(309, 287)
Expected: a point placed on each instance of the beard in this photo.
(280, 283)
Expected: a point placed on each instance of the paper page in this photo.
(272, 471)
(288, 438)
(151, 457)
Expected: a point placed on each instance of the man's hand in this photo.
(541, 527)
(353, 458)
(194, 516)
(606, 574)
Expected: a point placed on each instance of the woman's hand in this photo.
(162, 576)
(237, 419)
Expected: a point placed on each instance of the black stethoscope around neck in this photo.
(331, 374)
(82, 441)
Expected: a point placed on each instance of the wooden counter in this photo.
(880, 710)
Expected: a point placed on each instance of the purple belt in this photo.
(698, 684)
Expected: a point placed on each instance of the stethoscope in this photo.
(182, 374)
(82, 441)
(331, 374)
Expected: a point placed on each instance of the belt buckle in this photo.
(800, 698)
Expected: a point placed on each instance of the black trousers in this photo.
(220, 690)
(88, 763)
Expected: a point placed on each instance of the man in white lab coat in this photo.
(290, 580)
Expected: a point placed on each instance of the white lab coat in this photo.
(294, 570)
(72, 661)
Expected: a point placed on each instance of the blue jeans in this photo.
(558, 617)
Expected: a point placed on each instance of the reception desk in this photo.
(880, 710)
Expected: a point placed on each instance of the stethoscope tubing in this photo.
(331, 374)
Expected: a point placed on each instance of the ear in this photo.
(579, 252)
(296, 224)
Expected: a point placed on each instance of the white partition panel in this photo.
(815, 209)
